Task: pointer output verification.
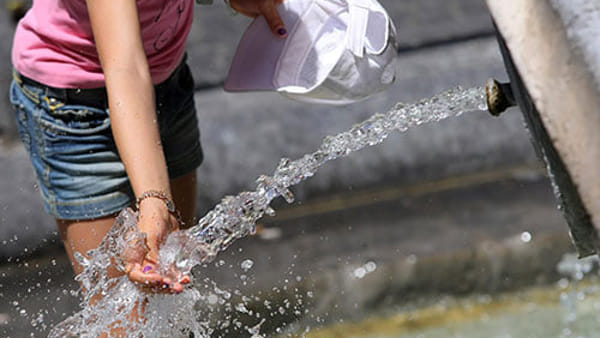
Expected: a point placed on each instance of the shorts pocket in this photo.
(74, 120)
(21, 115)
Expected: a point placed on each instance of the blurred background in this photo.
(424, 235)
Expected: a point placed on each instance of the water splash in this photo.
(109, 302)
(573, 292)
(233, 218)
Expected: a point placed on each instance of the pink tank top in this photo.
(54, 44)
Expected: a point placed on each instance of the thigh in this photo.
(82, 236)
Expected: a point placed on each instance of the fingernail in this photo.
(282, 31)
(147, 268)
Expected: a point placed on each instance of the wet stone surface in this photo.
(345, 259)
(413, 245)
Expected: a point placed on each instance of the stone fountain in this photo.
(550, 50)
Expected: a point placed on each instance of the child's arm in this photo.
(133, 118)
(118, 40)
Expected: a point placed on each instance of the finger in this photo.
(180, 278)
(246, 13)
(239, 9)
(152, 258)
(173, 287)
(269, 11)
(177, 278)
(185, 280)
(144, 276)
(177, 288)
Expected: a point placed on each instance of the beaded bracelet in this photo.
(162, 196)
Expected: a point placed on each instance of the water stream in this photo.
(233, 218)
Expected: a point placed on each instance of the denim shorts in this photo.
(73, 152)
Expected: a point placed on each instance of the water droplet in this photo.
(526, 237)
(247, 265)
(563, 283)
(213, 299)
(240, 307)
(411, 259)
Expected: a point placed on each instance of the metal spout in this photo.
(499, 96)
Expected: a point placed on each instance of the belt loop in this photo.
(52, 101)
(30, 94)
(17, 77)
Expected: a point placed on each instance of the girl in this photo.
(104, 102)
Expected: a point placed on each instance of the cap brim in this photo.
(255, 60)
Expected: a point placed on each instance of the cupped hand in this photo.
(266, 8)
(156, 222)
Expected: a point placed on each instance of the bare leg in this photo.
(82, 236)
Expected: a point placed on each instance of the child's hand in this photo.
(157, 222)
(266, 8)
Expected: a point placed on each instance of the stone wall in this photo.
(245, 135)
(420, 23)
(443, 44)
(216, 32)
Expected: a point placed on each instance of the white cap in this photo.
(336, 52)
